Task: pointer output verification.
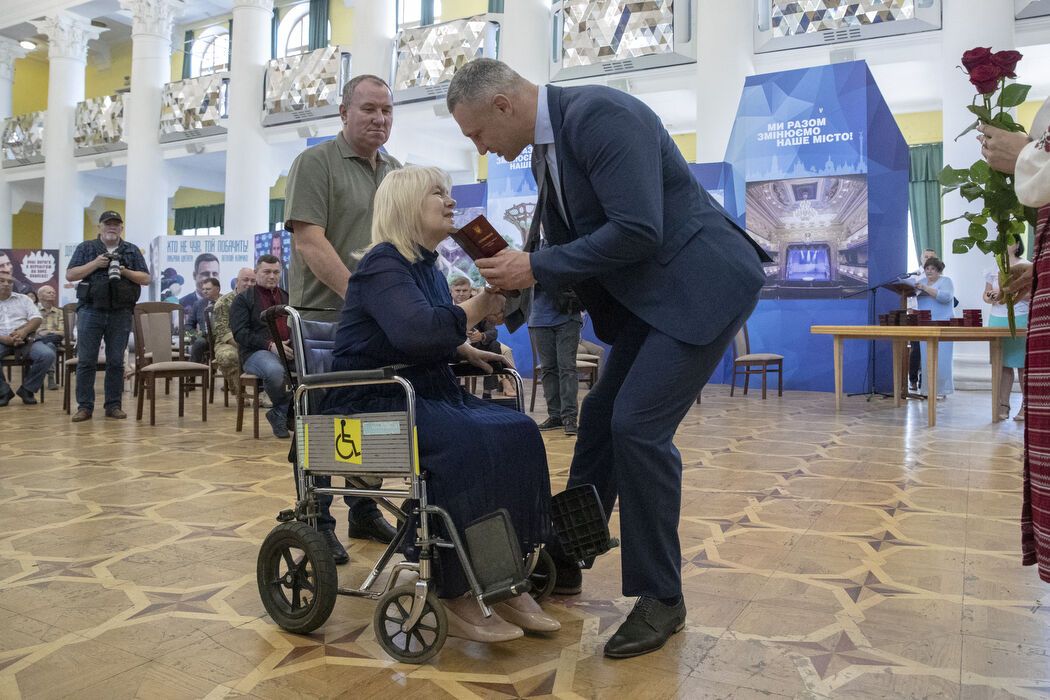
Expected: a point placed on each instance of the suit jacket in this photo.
(249, 330)
(642, 237)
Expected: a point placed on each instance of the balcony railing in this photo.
(194, 108)
(307, 86)
(23, 140)
(98, 125)
(427, 57)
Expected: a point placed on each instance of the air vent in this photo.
(850, 34)
(439, 90)
(617, 66)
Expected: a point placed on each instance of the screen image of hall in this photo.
(815, 230)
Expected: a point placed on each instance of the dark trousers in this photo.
(556, 347)
(914, 362)
(94, 325)
(41, 357)
(627, 424)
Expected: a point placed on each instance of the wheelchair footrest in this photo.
(580, 522)
(495, 556)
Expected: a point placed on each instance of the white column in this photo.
(68, 37)
(965, 26)
(525, 38)
(248, 179)
(146, 208)
(10, 52)
(372, 36)
(723, 62)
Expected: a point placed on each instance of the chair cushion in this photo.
(587, 358)
(583, 364)
(246, 377)
(175, 366)
(759, 357)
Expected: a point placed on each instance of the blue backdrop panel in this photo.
(807, 138)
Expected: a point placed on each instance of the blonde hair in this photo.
(398, 210)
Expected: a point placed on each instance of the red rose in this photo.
(1007, 62)
(975, 57)
(985, 78)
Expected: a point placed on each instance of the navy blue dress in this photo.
(479, 456)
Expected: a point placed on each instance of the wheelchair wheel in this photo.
(296, 577)
(543, 577)
(422, 641)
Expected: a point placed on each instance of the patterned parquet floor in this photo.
(856, 554)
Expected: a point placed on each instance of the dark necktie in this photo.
(539, 172)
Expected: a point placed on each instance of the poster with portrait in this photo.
(277, 244)
(180, 265)
(30, 268)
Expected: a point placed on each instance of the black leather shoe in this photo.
(374, 528)
(27, 396)
(6, 395)
(568, 579)
(570, 427)
(646, 629)
(339, 554)
(550, 424)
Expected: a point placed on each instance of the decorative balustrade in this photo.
(307, 86)
(23, 139)
(194, 108)
(427, 57)
(98, 125)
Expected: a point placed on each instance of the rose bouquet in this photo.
(988, 72)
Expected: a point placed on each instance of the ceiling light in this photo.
(27, 45)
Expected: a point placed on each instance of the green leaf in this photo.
(950, 176)
(1004, 121)
(954, 218)
(980, 172)
(1014, 95)
(986, 246)
(961, 245)
(1031, 215)
(983, 113)
(977, 232)
(968, 129)
(971, 191)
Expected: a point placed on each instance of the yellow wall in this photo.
(920, 127)
(29, 91)
(27, 229)
(99, 82)
(686, 144)
(101, 204)
(341, 18)
(454, 9)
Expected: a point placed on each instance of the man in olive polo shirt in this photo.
(329, 213)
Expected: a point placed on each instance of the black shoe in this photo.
(550, 424)
(277, 422)
(339, 555)
(6, 396)
(27, 396)
(646, 629)
(372, 527)
(570, 427)
(568, 579)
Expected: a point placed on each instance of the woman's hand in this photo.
(1020, 283)
(488, 302)
(1001, 148)
(478, 358)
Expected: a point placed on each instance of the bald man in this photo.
(52, 328)
(226, 355)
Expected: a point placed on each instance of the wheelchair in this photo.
(295, 572)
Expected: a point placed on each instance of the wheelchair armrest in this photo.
(359, 375)
(465, 369)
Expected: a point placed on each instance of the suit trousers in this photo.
(625, 445)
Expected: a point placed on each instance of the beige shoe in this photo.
(490, 630)
(530, 621)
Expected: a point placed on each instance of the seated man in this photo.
(258, 352)
(52, 326)
(226, 355)
(19, 319)
(483, 337)
(196, 322)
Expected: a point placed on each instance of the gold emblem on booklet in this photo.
(479, 239)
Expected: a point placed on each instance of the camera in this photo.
(113, 270)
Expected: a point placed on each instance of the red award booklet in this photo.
(479, 239)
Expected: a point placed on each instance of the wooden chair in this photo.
(747, 363)
(586, 365)
(153, 340)
(11, 361)
(69, 365)
(249, 381)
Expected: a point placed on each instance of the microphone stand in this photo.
(869, 379)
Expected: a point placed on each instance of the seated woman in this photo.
(936, 294)
(478, 456)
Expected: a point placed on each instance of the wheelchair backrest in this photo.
(318, 341)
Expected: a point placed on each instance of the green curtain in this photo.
(426, 12)
(187, 55)
(276, 214)
(924, 196)
(199, 217)
(495, 5)
(274, 23)
(318, 24)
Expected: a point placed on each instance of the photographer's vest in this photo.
(98, 291)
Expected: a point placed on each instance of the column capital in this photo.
(10, 52)
(67, 35)
(253, 4)
(152, 17)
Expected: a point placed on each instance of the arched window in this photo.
(211, 52)
(293, 31)
(410, 12)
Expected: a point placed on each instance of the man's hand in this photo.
(1020, 283)
(478, 358)
(1001, 148)
(508, 269)
(286, 347)
(100, 262)
(7, 340)
(474, 335)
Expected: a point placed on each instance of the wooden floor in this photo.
(852, 555)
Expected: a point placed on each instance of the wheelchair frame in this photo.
(424, 600)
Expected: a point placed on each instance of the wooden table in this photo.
(933, 336)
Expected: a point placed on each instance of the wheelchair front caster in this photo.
(424, 639)
(543, 577)
(296, 577)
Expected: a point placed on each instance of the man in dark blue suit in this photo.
(668, 281)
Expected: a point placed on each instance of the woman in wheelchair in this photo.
(478, 456)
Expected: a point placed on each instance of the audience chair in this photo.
(69, 365)
(153, 331)
(586, 365)
(747, 363)
(12, 361)
(249, 381)
(209, 354)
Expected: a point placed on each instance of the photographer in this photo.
(111, 273)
